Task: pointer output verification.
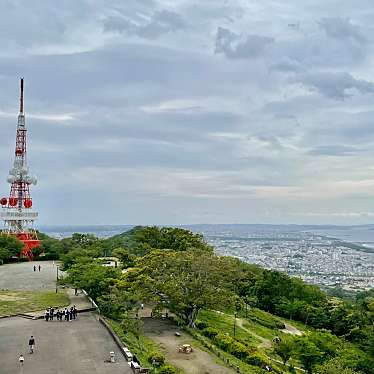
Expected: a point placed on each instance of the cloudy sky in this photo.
(191, 111)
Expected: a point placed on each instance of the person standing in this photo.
(34, 268)
(21, 360)
(75, 312)
(31, 344)
(46, 315)
(66, 314)
(39, 267)
(51, 313)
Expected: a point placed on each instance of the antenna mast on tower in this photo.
(17, 214)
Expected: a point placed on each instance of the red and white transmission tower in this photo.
(17, 214)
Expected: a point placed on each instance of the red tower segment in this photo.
(17, 215)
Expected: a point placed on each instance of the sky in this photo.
(192, 111)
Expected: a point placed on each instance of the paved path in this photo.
(77, 347)
(21, 276)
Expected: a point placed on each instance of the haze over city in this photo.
(179, 112)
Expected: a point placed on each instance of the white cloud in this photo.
(52, 117)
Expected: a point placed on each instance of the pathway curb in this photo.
(113, 334)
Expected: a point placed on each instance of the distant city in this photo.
(329, 256)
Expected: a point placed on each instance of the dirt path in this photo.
(197, 362)
(265, 343)
(291, 330)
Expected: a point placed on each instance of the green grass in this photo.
(258, 322)
(13, 302)
(205, 343)
(225, 323)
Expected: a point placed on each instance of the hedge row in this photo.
(237, 348)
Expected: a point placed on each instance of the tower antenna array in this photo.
(17, 210)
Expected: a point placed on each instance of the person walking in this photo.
(75, 312)
(39, 267)
(34, 268)
(31, 344)
(21, 360)
(46, 315)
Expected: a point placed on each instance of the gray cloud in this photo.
(337, 85)
(149, 27)
(287, 65)
(127, 100)
(342, 29)
(334, 150)
(240, 46)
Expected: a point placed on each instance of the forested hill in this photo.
(177, 269)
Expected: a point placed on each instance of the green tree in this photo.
(335, 366)
(93, 277)
(285, 348)
(115, 303)
(308, 354)
(9, 246)
(125, 257)
(131, 324)
(184, 282)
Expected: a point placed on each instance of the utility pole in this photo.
(56, 276)
(234, 324)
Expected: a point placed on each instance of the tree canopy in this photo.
(184, 283)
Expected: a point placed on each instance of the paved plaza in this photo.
(76, 347)
(21, 276)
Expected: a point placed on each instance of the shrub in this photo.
(223, 341)
(201, 325)
(210, 332)
(156, 358)
(238, 350)
(256, 359)
(167, 369)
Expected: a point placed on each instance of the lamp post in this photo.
(234, 324)
(56, 276)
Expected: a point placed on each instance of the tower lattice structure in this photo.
(17, 208)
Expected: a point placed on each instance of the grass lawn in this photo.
(13, 302)
(225, 323)
(258, 324)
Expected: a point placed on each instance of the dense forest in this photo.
(176, 269)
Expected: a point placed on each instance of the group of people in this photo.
(66, 314)
(39, 268)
